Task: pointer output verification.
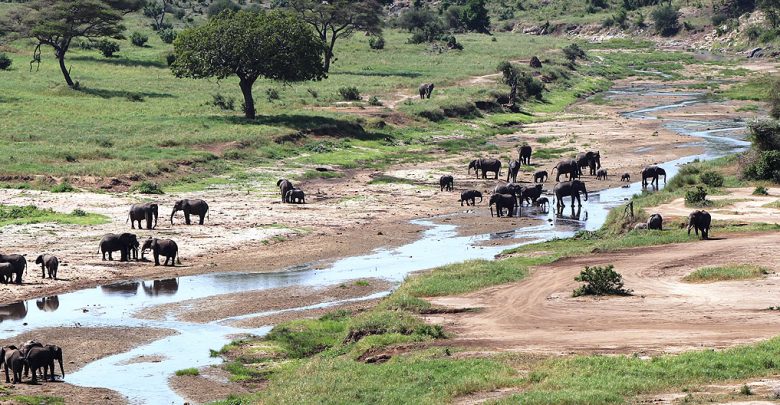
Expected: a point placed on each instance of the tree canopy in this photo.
(275, 45)
(56, 23)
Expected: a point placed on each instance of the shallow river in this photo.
(114, 305)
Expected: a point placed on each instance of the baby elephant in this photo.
(446, 182)
(470, 195)
(164, 247)
(50, 263)
(540, 176)
(655, 222)
(625, 177)
(542, 202)
(601, 174)
(295, 195)
(425, 90)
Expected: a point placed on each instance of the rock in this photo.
(381, 358)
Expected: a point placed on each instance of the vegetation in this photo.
(760, 190)
(30, 214)
(600, 281)
(763, 160)
(724, 273)
(5, 62)
(666, 20)
(192, 371)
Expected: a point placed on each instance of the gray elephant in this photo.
(296, 196)
(511, 174)
(570, 189)
(625, 177)
(590, 159)
(542, 202)
(191, 207)
(655, 222)
(531, 194)
(568, 167)
(525, 154)
(6, 273)
(48, 304)
(164, 247)
(502, 201)
(485, 165)
(18, 267)
(48, 263)
(125, 243)
(425, 89)
(146, 211)
(12, 358)
(43, 358)
(509, 188)
(700, 220)
(284, 186)
(540, 176)
(446, 182)
(652, 172)
(470, 195)
(601, 174)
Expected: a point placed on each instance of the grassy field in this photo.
(30, 214)
(725, 273)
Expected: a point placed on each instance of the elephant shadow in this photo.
(576, 214)
(13, 312)
(126, 288)
(48, 304)
(161, 287)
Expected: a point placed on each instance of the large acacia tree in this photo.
(275, 45)
(334, 19)
(56, 23)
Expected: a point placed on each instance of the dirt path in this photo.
(664, 314)
(742, 206)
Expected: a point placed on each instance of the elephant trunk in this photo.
(172, 214)
(62, 370)
(585, 191)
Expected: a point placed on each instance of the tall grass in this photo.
(727, 272)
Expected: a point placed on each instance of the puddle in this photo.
(114, 305)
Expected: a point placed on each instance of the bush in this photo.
(5, 61)
(63, 187)
(774, 107)
(452, 43)
(107, 48)
(147, 187)
(697, 196)
(170, 58)
(753, 32)
(225, 103)
(760, 190)
(167, 35)
(765, 166)
(272, 94)
(188, 371)
(600, 281)
(219, 6)
(573, 52)
(78, 212)
(376, 42)
(374, 100)
(138, 39)
(666, 20)
(712, 179)
(349, 93)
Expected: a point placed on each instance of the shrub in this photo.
(349, 93)
(170, 58)
(374, 100)
(774, 107)
(107, 48)
(147, 187)
(188, 371)
(753, 32)
(696, 196)
(765, 134)
(138, 39)
(313, 93)
(5, 61)
(63, 187)
(745, 390)
(666, 20)
(765, 166)
(78, 212)
(167, 35)
(760, 190)
(376, 42)
(225, 103)
(600, 281)
(452, 43)
(573, 52)
(272, 94)
(134, 97)
(219, 6)
(712, 179)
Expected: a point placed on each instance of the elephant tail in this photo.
(553, 170)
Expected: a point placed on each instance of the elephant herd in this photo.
(699, 221)
(30, 357)
(12, 267)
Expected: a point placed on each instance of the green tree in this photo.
(339, 19)
(475, 16)
(772, 10)
(274, 45)
(57, 23)
(666, 20)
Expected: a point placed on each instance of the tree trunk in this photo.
(329, 52)
(249, 102)
(61, 58)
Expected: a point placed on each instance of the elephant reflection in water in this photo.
(161, 287)
(12, 312)
(48, 304)
(576, 213)
(124, 288)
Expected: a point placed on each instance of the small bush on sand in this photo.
(600, 281)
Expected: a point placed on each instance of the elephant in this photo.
(542, 202)
(485, 165)
(24, 348)
(531, 194)
(601, 174)
(700, 220)
(446, 182)
(284, 186)
(139, 212)
(44, 357)
(655, 222)
(540, 176)
(568, 167)
(570, 189)
(194, 207)
(6, 273)
(509, 188)
(470, 195)
(590, 159)
(640, 226)
(165, 247)
(18, 266)
(625, 177)
(12, 358)
(50, 263)
(652, 172)
(48, 304)
(425, 90)
(125, 243)
(514, 168)
(296, 195)
(525, 154)
(161, 287)
(502, 201)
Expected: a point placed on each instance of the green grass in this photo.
(30, 214)
(553, 153)
(33, 399)
(754, 89)
(192, 371)
(727, 272)
(774, 204)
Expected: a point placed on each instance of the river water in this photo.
(146, 383)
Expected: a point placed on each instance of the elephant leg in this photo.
(186, 217)
(202, 218)
(156, 258)
(43, 271)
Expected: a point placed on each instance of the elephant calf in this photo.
(446, 182)
(655, 222)
(295, 195)
(502, 201)
(12, 358)
(164, 247)
(700, 220)
(540, 176)
(625, 177)
(470, 195)
(542, 202)
(50, 263)
(601, 174)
